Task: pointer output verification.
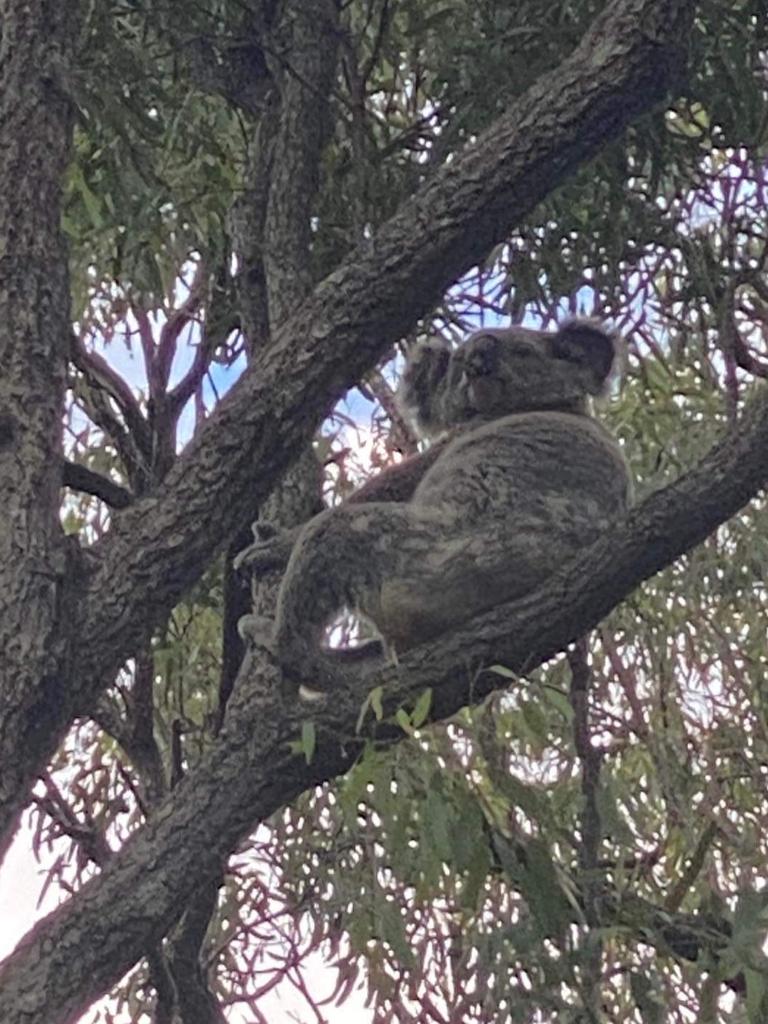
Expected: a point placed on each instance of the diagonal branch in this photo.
(101, 375)
(80, 478)
(251, 772)
(623, 66)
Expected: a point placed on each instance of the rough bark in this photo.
(194, 1000)
(310, 39)
(303, 80)
(80, 950)
(159, 547)
(35, 572)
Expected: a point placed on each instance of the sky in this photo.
(20, 885)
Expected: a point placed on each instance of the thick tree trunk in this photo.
(35, 596)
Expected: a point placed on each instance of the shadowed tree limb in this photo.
(80, 478)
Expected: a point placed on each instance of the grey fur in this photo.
(528, 480)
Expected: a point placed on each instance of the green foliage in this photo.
(157, 162)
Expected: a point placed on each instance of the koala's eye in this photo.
(570, 353)
(523, 352)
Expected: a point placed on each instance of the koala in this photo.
(523, 478)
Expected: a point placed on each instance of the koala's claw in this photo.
(270, 551)
(311, 677)
(264, 530)
(258, 631)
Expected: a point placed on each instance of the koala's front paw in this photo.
(269, 552)
(257, 631)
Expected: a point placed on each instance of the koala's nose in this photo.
(484, 357)
(485, 394)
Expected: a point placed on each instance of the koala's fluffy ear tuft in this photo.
(423, 382)
(590, 345)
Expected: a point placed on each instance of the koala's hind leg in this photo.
(341, 560)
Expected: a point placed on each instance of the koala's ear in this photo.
(423, 378)
(428, 360)
(591, 346)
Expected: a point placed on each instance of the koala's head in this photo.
(520, 370)
(502, 371)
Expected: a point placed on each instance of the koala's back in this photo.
(517, 497)
(527, 480)
(526, 461)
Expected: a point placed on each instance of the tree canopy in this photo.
(222, 224)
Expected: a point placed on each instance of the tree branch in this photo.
(280, 262)
(241, 77)
(622, 67)
(219, 322)
(250, 772)
(101, 375)
(80, 478)
(170, 332)
(97, 405)
(305, 80)
(196, 1002)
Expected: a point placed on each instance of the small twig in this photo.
(692, 870)
(589, 845)
(86, 835)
